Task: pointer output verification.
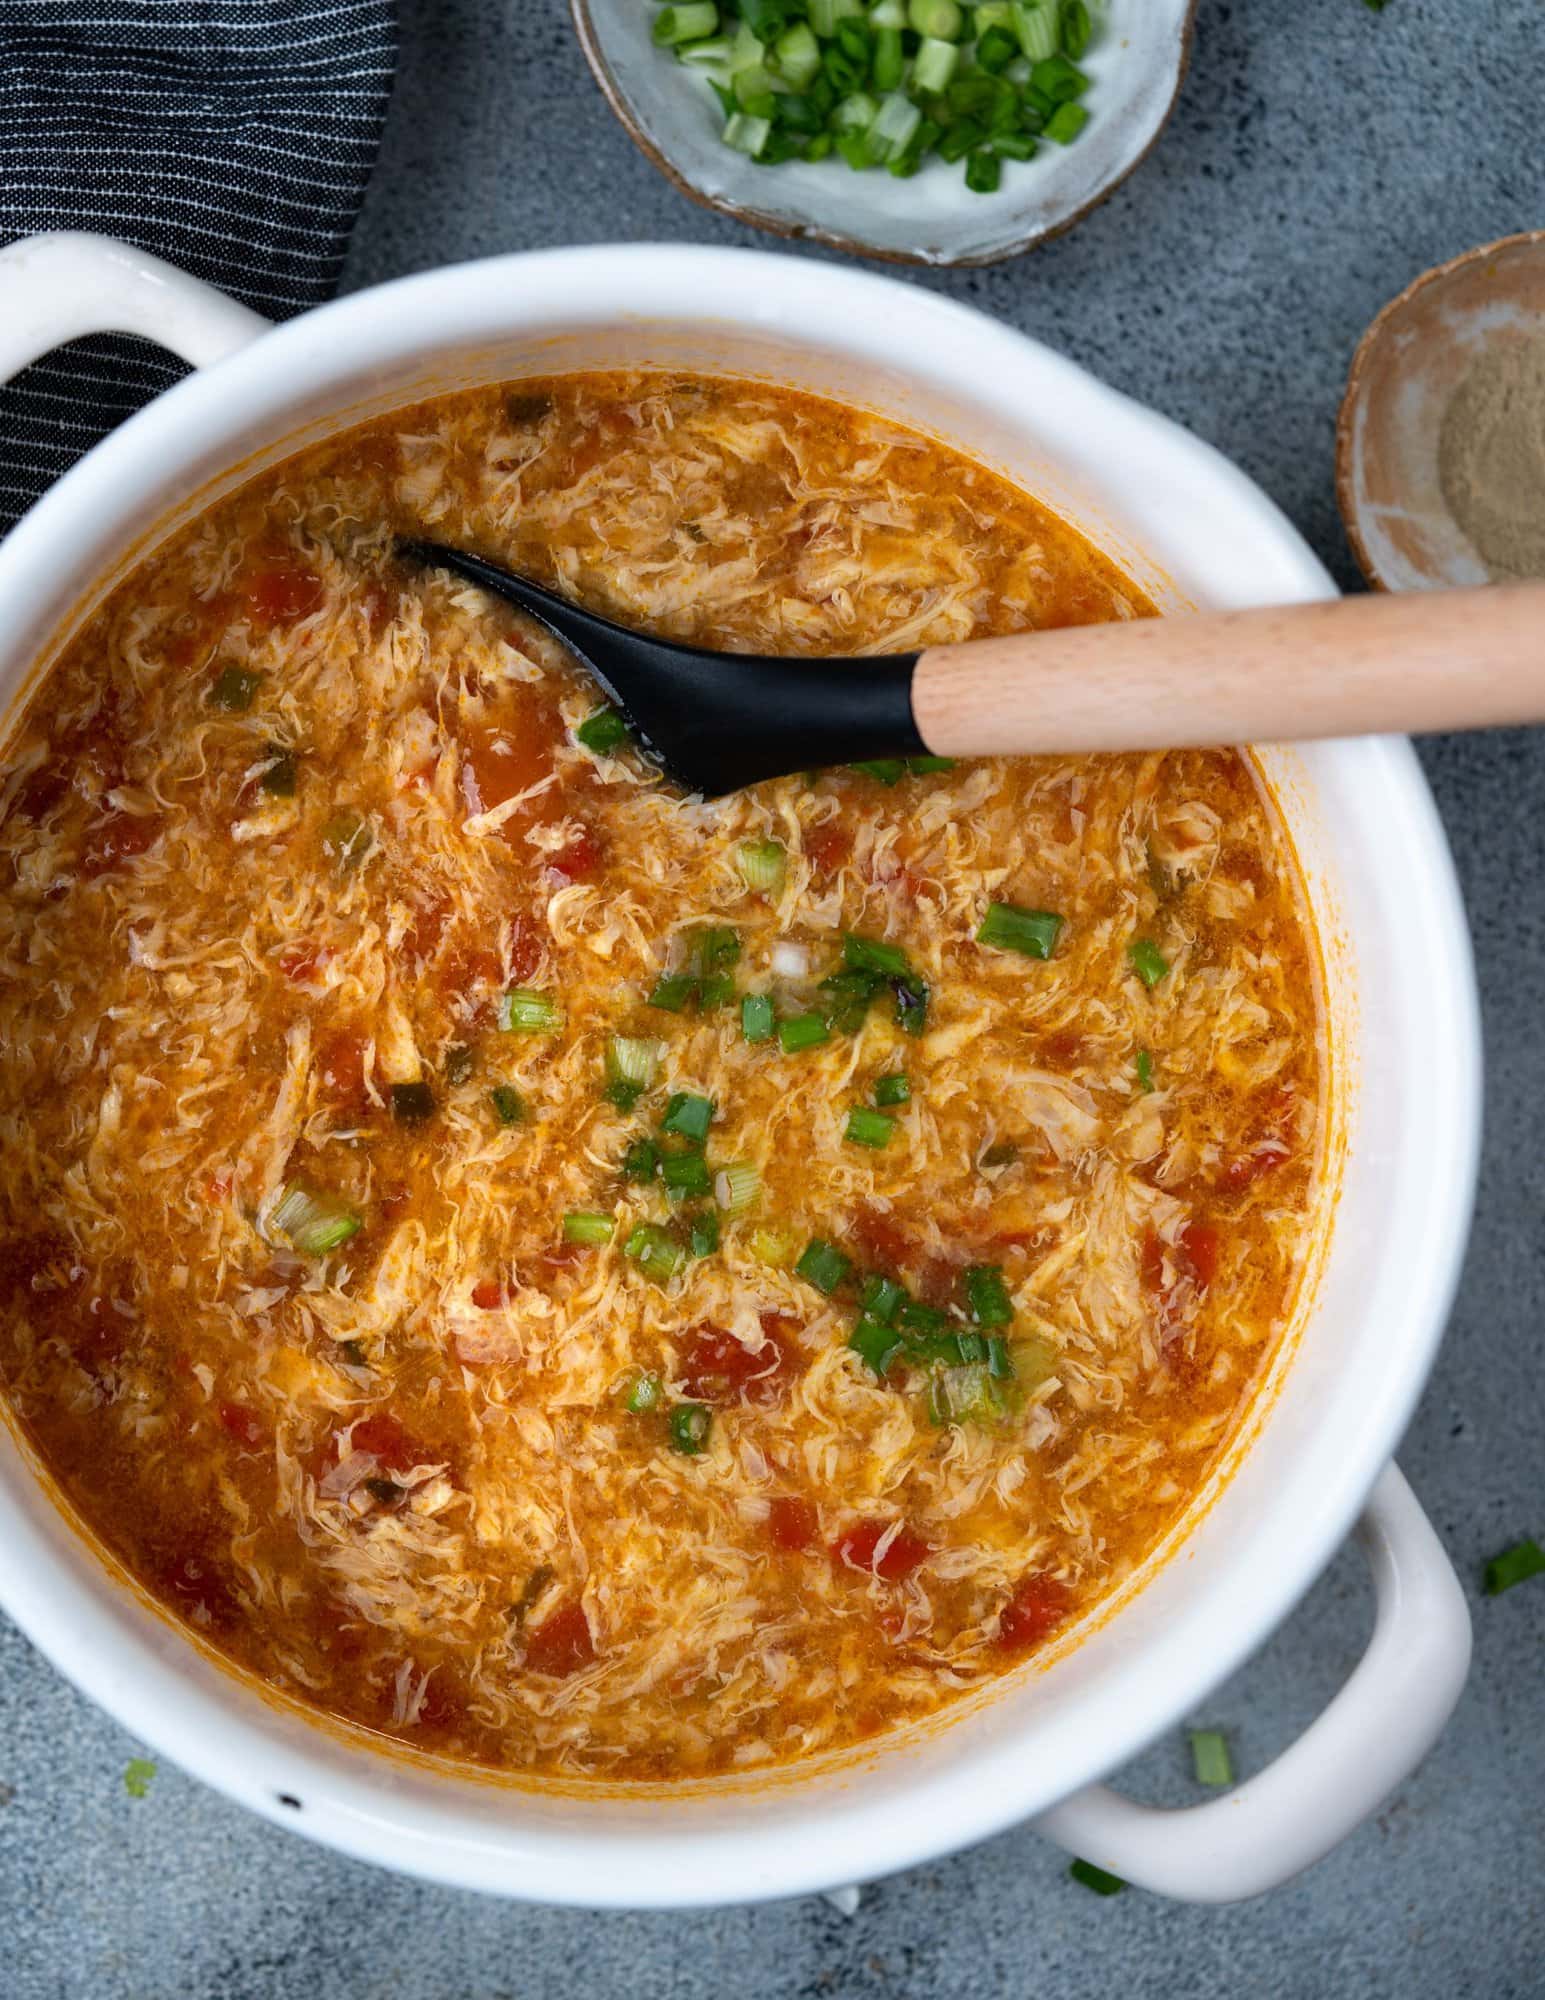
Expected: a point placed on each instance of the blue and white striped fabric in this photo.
(234, 137)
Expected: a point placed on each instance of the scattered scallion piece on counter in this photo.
(1147, 961)
(412, 1103)
(689, 1426)
(644, 1395)
(1010, 928)
(524, 1012)
(602, 732)
(1210, 1759)
(315, 1223)
(1097, 1879)
(756, 1017)
(823, 1265)
(886, 86)
(137, 1775)
(1514, 1565)
(763, 865)
(1144, 1070)
(582, 1225)
(655, 1251)
(892, 1089)
(509, 1106)
(736, 1186)
(868, 1128)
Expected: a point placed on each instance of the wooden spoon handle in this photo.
(1355, 666)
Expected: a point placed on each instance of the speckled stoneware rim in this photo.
(1372, 340)
(814, 232)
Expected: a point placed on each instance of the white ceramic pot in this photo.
(1315, 1462)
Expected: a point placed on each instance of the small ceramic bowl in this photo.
(933, 218)
(1407, 366)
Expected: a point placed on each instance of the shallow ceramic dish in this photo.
(1314, 1458)
(1407, 365)
(1137, 66)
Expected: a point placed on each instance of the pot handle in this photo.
(1373, 1735)
(57, 287)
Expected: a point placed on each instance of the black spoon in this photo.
(718, 721)
(1418, 660)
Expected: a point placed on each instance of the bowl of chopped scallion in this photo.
(921, 131)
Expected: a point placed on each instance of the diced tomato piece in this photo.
(881, 1238)
(1064, 1048)
(498, 762)
(341, 1065)
(857, 1548)
(217, 1186)
(243, 1424)
(579, 860)
(563, 1256)
(380, 608)
(1037, 1607)
(195, 1582)
(281, 592)
(301, 960)
(41, 792)
(1199, 1247)
(426, 927)
(1245, 1171)
(1151, 1261)
(718, 1368)
(561, 1644)
(791, 1522)
(488, 1295)
(827, 846)
(384, 1437)
(118, 838)
(525, 948)
(394, 1199)
(443, 1703)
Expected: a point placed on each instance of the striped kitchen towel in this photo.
(234, 137)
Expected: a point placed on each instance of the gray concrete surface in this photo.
(1322, 155)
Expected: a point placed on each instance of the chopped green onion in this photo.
(714, 948)
(715, 992)
(1077, 29)
(882, 1298)
(872, 955)
(315, 1223)
(674, 993)
(890, 61)
(1010, 928)
(911, 997)
(987, 1298)
(888, 770)
(605, 730)
(509, 1106)
(1209, 1757)
(875, 1343)
(348, 837)
(922, 1321)
(847, 999)
(939, 18)
(991, 14)
(823, 1265)
(756, 1017)
(1001, 1153)
(926, 767)
(1059, 79)
(892, 1089)
(1147, 961)
(459, 1063)
(687, 23)
(657, 1253)
(1066, 122)
(1000, 1359)
(996, 50)
(1035, 23)
(703, 1234)
(798, 54)
(1514, 1565)
(712, 53)
(524, 1012)
(737, 1186)
(641, 1162)
(895, 122)
(689, 1115)
(644, 1395)
(935, 64)
(632, 1065)
(278, 778)
(825, 14)
(137, 1774)
(965, 1395)
(685, 1176)
(583, 1225)
(868, 1128)
(412, 1103)
(763, 865)
(805, 1031)
(984, 172)
(745, 134)
(774, 1246)
(234, 689)
(1144, 1070)
(690, 1424)
(1097, 1879)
